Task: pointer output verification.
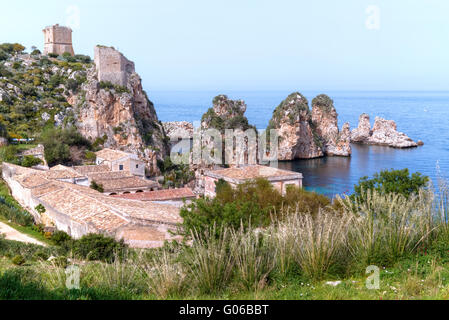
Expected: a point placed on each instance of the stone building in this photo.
(112, 66)
(58, 40)
(118, 160)
(79, 210)
(280, 179)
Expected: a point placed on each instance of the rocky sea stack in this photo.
(384, 133)
(306, 134)
(226, 114)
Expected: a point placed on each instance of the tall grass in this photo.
(166, 277)
(209, 262)
(253, 258)
(387, 226)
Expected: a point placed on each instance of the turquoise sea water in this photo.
(421, 115)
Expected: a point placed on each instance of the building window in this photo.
(137, 166)
(120, 167)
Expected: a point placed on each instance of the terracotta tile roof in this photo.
(111, 155)
(85, 170)
(160, 195)
(131, 182)
(32, 180)
(253, 172)
(109, 175)
(86, 205)
(62, 174)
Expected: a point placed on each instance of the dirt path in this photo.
(13, 234)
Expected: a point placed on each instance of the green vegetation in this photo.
(256, 203)
(109, 86)
(64, 146)
(175, 175)
(234, 119)
(295, 104)
(394, 181)
(324, 102)
(35, 93)
(96, 186)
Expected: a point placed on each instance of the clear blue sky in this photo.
(254, 44)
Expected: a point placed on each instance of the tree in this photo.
(96, 186)
(394, 181)
(58, 142)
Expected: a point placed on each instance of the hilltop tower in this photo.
(58, 40)
(112, 66)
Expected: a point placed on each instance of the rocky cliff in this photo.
(122, 117)
(384, 132)
(306, 134)
(325, 121)
(39, 92)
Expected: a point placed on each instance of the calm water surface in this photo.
(421, 115)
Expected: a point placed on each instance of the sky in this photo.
(254, 44)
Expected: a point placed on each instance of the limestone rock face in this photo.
(121, 118)
(225, 114)
(325, 121)
(384, 133)
(178, 129)
(363, 132)
(293, 121)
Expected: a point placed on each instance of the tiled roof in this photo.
(109, 175)
(160, 195)
(111, 155)
(85, 170)
(62, 174)
(86, 205)
(132, 182)
(253, 172)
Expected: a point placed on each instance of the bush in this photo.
(30, 161)
(57, 143)
(18, 260)
(60, 237)
(96, 186)
(394, 181)
(99, 247)
(255, 202)
(16, 215)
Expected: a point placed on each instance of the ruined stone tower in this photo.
(112, 66)
(58, 40)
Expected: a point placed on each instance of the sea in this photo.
(421, 115)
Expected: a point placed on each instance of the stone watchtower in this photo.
(112, 66)
(58, 40)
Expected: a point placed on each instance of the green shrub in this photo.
(30, 161)
(59, 237)
(96, 186)
(99, 247)
(53, 55)
(394, 181)
(57, 143)
(13, 213)
(18, 260)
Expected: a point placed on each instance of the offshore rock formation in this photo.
(384, 133)
(292, 120)
(121, 117)
(325, 121)
(226, 114)
(305, 134)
